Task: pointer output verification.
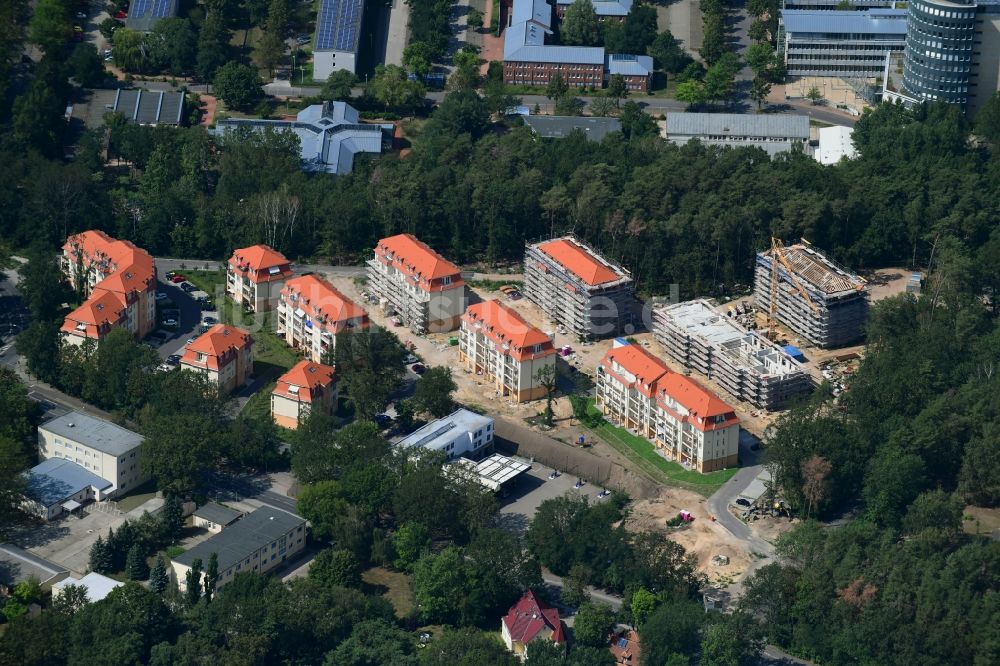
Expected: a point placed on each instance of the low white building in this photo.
(461, 434)
(774, 134)
(338, 37)
(214, 517)
(835, 144)
(97, 586)
(110, 451)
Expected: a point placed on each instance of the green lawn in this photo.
(258, 407)
(393, 585)
(642, 452)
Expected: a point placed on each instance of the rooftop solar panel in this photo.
(140, 8)
(161, 8)
(338, 27)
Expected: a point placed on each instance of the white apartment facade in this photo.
(255, 276)
(684, 420)
(417, 285)
(461, 434)
(101, 447)
(311, 312)
(496, 343)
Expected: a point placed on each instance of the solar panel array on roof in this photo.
(144, 14)
(338, 27)
(161, 9)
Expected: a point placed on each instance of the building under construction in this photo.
(743, 363)
(815, 298)
(578, 289)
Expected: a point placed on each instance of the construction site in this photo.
(810, 294)
(744, 363)
(581, 293)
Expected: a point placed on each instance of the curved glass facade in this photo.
(938, 57)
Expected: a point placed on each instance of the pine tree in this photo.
(211, 576)
(193, 583)
(171, 519)
(135, 564)
(158, 576)
(100, 558)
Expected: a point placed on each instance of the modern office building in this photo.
(260, 541)
(416, 285)
(312, 312)
(815, 298)
(119, 282)
(847, 44)
(307, 387)
(255, 276)
(578, 289)
(461, 434)
(108, 450)
(687, 422)
(774, 134)
(746, 365)
(837, 5)
(338, 37)
(497, 344)
(937, 61)
(330, 135)
(224, 354)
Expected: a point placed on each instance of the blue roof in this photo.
(629, 65)
(338, 25)
(884, 22)
(330, 135)
(532, 10)
(606, 7)
(144, 14)
(524, 40)
(58, 479)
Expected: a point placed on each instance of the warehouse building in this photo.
(338, 37)
(773, 134)
(815, 298)
(578, 289)
(745, 364)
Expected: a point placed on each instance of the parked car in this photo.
(383, 421)
(210, 320)
(170, 323)
(81, 15)
(190, 341)
(418, 368)
(173, 359)
(742, 502)
(410, 358)
(303, 39)
(161, 296)
(188, 287)
(177, 278)
(165, 367)
(121, 16)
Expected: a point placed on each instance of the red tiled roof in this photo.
(215, 343)
(304, 381)
(130, 270)
(529, 616)
(700, 403)
(103, 309)
(417, 260)
(503, 325)
(579, 261)
(317, 298)
(258, 260)
(646, 368)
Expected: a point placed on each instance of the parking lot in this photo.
(181, 307)
(534, 487)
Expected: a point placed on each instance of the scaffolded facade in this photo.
(578, 289)
(745, 364)
(815, 298)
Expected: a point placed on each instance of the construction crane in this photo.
(778, 255)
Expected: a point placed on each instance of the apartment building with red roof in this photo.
(498, 344)
(255, 276)
(528, 620)
(580, 291)
(307, 387)
(686, 421)
(311, 312)
(119, 282)
(415, 285)
(224, 354)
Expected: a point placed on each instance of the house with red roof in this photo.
(224, 354)
(579, 291)
(528, 620)
(495, 342)
(416, 285)
(255, 276)
(308, 386)
(119, 282)
(685, 421)
(311, 312)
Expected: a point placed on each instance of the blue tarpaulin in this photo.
(794, 352)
